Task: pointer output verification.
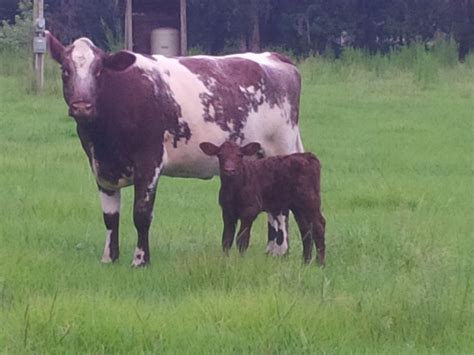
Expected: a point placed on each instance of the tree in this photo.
(302, 27)
(463, 25)
(18, 35)
(8, 10)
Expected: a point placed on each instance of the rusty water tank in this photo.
(165, 41)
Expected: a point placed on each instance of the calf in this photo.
(272, 185)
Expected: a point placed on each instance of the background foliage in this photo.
(299, 27)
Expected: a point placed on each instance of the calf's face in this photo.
(82, 65)
(230, 155)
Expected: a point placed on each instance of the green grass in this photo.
(397, 155)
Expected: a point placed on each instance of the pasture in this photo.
(396, 147)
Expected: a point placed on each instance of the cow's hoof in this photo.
(274, 249)
(135, 265)
(139, 258)
(106, 259)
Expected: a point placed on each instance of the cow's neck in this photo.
(98, 137)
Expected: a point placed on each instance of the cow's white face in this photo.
(82, 65)
(81, 69)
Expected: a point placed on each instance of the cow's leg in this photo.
(243, 236)
(110, 201)
(278, 233)
(146, 181)
(229, 231)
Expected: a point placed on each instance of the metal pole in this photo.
(38, 13)
(183, 30)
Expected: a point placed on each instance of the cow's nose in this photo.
(81, 108)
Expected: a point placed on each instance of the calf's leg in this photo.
(311, 224)
(319, 226)
(243, 236)
(306, 229)
(278, 233)
(229, 231)
(110, 201)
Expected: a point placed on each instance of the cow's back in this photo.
(245, 97)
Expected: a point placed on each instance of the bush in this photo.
(469, 60)
(446, 52)
(426, 69)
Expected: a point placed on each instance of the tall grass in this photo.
(20, 65)
(397, 195)
(425, 67)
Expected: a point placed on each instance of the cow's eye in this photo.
(97, 73)
(65, 72)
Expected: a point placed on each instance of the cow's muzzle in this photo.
(82, 109)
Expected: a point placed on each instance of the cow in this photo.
(273, 185)
(139, 117)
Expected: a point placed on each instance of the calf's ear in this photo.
(250, 149)
(56, 49)
(209, 148)
(119, 61)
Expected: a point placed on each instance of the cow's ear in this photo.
(55, 47)
(250, 149)
(209, 148)
(119, 61)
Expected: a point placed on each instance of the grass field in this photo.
(397, 154)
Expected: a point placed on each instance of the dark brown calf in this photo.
(273, 185)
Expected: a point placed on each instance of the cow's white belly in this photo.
(187, 159)
(269, 127)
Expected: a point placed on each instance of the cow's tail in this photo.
(299, 143)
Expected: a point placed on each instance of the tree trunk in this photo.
(254, 36)
(242, 42)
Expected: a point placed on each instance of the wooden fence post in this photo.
(183, 30)
(38, 13)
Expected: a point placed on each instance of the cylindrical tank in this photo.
(165, 41)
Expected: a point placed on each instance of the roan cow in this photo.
(273, 185)
(139, 117)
